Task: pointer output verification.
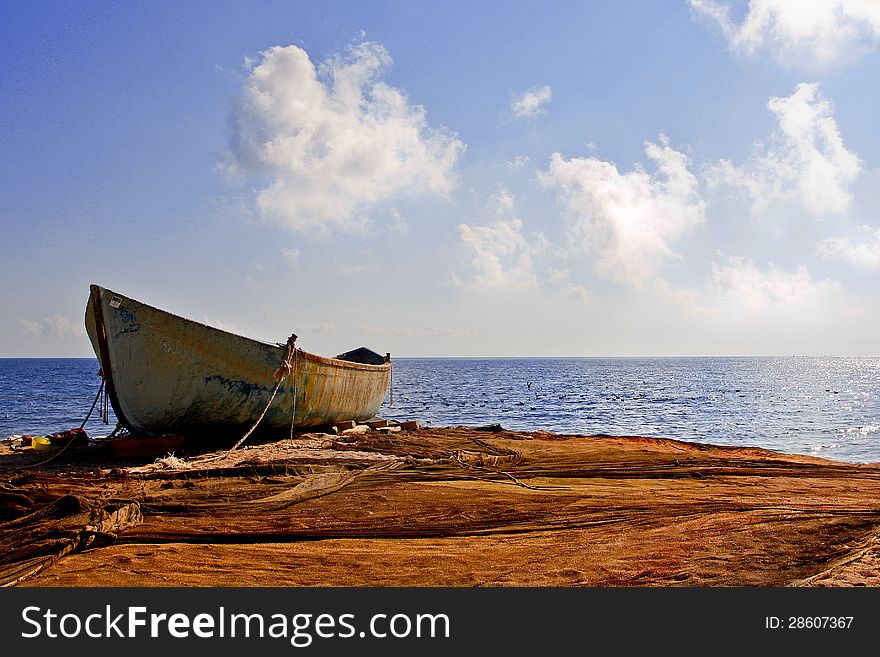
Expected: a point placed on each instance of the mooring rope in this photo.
(70, 442)
(281, 373)
(293, 413)
(106, 406)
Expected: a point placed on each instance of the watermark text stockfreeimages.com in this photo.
(301, 629)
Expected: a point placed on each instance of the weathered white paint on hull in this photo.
(171, 375)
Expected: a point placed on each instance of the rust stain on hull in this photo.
(171, 375)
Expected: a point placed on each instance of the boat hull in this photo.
(167, 375)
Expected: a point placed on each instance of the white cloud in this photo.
(333, 140)
(247, 330)
(809, 34)
(433, 330)
(558, 275)
(518, 162)
(673, 295)
(629, 220)
(741, 284)
(396, 222)
(806, 160)
(386, 330)
(865, 255)
(57, 325)
(291, 256)
(428, 331)
(239, 276)
(229, 327)
(502, 253)
(576, 292)
(32, 327)
(531, 103)
(63, 327)
(362, 268)
(321, 328)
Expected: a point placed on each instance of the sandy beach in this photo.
(455, 507)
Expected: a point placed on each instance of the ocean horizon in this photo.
(825, 406)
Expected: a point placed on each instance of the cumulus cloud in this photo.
(503, 255)
(629, 220)
(865, 255)
(57, 325)
(329, 141)
(806, 159)
(743, 285)
(531, 103)
(811, 34)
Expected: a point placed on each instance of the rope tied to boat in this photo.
(387, 361)
(280, 374)
(286, 366)
(293, 392)
(81, 426)
(105, 404)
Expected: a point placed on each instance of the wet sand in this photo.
(442, 507)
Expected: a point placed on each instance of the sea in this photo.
(819, 406)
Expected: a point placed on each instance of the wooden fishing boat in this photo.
(167, 375)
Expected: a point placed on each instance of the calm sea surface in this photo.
(820, 406)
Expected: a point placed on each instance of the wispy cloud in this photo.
(531, 103)
(397, 222)
(518, 162)
(360, 268)
(334, 139)
(291, 256)
(502, 253)
(628, 220)
(576, 292)
(57, 325)
(427, 331)
(745, 286)
(806, 158)
(320, 328)
(806, 34)
(433, 330)
(229, 327)
(864, 254)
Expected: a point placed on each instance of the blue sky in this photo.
(448, 179)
